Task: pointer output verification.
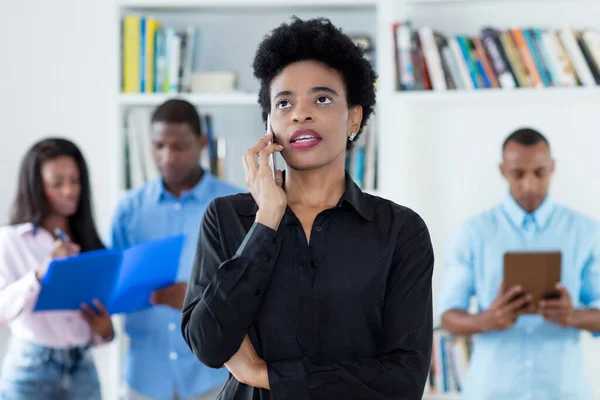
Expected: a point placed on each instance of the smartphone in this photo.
(272, 157)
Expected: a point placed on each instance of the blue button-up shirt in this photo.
(159, 361)
(534, 359)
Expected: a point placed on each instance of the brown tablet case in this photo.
(536, 272)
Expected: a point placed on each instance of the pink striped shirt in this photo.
(21, 254)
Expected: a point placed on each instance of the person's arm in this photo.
(588, 317)
(18, 294)
(561, 311)
(502, 314)
(459, 287)
(400, 369)
(119, 231)
(224, 292)
(99, 321)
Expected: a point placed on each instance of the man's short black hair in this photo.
(525, 137)
(178, 111)
(316, 39)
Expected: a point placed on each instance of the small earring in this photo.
(351, 138)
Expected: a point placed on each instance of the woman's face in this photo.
(310, 115)
(60, 177)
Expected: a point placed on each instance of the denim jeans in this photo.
(33, 372)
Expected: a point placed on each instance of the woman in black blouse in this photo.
(308, 288)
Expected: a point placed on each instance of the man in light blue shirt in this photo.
(159, 364)
(515, 355)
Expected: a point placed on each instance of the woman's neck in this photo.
(53, 221)
(319, 188)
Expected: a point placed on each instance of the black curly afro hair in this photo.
(316, 39)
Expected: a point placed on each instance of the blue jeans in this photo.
(33, 372)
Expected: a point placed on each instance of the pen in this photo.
(61, 235)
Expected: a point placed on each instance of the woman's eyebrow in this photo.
(323, 89)
(312, 90)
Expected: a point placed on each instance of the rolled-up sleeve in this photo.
(18, 293)
(458, 279)
(224, 293)
(589, 295)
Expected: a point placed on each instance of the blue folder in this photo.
(122, 280)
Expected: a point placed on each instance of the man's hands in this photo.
(247, 367)
(507, 307)
(172, 296)
(505, 310)
(560, 310)
(98, 319)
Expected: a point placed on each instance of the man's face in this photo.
(176, 149)
(527, 169)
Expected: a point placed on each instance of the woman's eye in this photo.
(283, 104)
(323, 100)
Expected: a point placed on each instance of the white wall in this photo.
(58, 76)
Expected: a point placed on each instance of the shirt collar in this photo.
(352, 196)
(26, 228)
(161, 193)
(519, 216)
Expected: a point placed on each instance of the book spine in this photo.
(583, 71)
(461, 63)
(432, 59)
(537, 59)
(131, 54)
(466, 53)
(530, 68)
(505, 79)
(142, 65)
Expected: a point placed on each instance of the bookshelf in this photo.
(439, 150)
(426, 97)
(199, 4)
(425, 139)
(441, 397)
(234, 99)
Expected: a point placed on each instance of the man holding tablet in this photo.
(519, 354)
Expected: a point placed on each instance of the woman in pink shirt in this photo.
(48, 356)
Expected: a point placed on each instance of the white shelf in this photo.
(127, 100)
(516, 95)
(430, 2)
(442, 396)
(186, 4)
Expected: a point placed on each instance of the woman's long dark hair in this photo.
(31, 204)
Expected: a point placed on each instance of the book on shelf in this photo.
(156, 58)
(361, 160)
(139, 159)
(426, 59)
(449, 363)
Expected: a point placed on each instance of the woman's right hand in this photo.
(266, 191)
(59, 250)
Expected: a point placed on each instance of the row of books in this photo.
(140, 166)
(449, 363)
(361, 160)
(155, 58)
(515, 58)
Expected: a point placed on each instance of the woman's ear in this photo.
(354, 119)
